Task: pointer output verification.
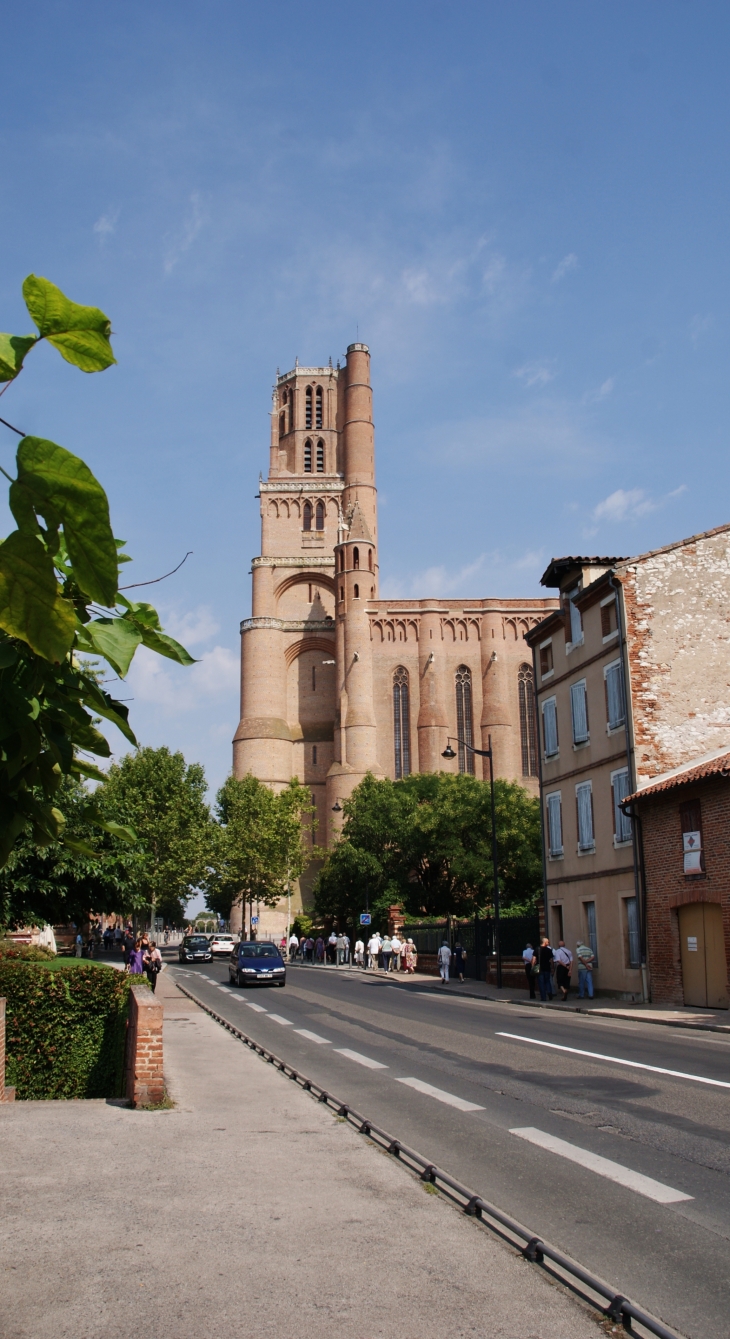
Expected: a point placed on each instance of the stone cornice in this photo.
(293, 562)
(290, 624)
(298, 371)
(289, 486)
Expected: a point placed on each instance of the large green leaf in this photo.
(31, 605)
(61, 485)
(114, 638)
(81, 334)
(167, 646)
(13, 349)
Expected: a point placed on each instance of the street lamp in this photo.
(487, 753)
(336, 807)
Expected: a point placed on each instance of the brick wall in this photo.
(144, 1082)
(668, 887)
(6, 1094)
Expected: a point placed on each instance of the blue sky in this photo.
(522, 208)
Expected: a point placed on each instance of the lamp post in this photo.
(487, 753)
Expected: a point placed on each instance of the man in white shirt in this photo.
(529, 957)
(397, 946)
(293, 946)
(359, 952)
(563, 959)
(444, 958)
(373, 950)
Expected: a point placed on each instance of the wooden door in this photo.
(704, 967)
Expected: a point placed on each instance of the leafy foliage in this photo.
(426, 842)
(65, 1030)
(260, 843)
(12, 952)
(59, 579)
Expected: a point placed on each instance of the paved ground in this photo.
(247, 1209)
(597, 1085)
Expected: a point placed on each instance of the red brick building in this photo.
(684, 820)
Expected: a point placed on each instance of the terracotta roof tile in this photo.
(699, 769)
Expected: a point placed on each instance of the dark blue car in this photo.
(256, 964)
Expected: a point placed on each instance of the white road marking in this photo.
(613, 1171)
(360, 1059)
(225, 988)
(449, 1098)
(277, 1018)
(257, 1008)
(615, 1060)
(312, 1036)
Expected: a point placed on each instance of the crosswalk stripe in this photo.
(312, 1036)
(613, 1171)
(360, 1059)
(257, 1008)
(277, 1018)
(450, 1099)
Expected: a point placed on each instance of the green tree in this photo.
(163, 800)
(60, 595)
(260, 844)
(426, 841)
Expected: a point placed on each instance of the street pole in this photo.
(495, 869)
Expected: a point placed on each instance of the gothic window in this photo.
(356, 592)
(308, 409)
(342, 592)
(370, 559)
(320, 455)
(291, 414)
(307, 457)
(307, 516)
(320, 515)
(320, 412)
(356, 559)
(282, 423)
(528, 741)
(464, 727)
(401, 723)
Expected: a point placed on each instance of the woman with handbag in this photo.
(152, 964)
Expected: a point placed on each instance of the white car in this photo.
(222, 944)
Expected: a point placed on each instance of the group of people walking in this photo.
(387, 953)
(142, 956)
(335, 949)
(544, 962)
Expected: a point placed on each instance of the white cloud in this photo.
(175, 690)
(471, 581)
(192, 628)
(535, 374)
(630, 504)
(178, 243)
(600, 392)
(106, 224)
(567, 264)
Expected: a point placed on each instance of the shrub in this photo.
(65, 1030)
(12, 952)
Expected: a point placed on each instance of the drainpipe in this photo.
(636, 832)
(545, 902)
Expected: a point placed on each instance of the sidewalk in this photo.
(248, 1208)
(703, 1020)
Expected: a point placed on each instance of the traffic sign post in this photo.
(365, 918)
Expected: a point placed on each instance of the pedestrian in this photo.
(293, 946)
(152, 963)
(340, 949)
(459, 960)
(108, 937)
(118, 937)
(409, 952)
(387, 951)
(135, 964)
(310, 948)
(529, 958)
(79, 941)
(332, 948)
(397, 946)
(373, 950)
(167, 938)
(347, 949)
(359, 952)
(444, 958)
(545, 977)
(319, 950)
(563, 967)
(586, 963)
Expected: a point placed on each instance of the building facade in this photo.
(632, 681)
(335, 681)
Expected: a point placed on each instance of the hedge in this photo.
(65, 1030)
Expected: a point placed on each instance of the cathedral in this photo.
(337, 682)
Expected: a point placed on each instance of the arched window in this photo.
(284, 398)
(308, 409)
(526, 691)
(356, 592)
(401, 723)
(307, 457)
(320, 455)
(356, 559)
(464, 728)
(282, 423)
(307, 516)
(320, 412)
(320, 515)
(370, 559)
(342, 592)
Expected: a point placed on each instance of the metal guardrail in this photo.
(613, 1303)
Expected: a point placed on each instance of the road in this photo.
(637, 1186)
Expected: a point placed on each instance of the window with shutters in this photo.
(308, 409)
(546, 660)
(622, 830)
(320, 456)
(579, 712)
(550, 727)
(307, 515)
(615, 710)
(307, 457)
(584, 806)
(690, 815)
(555, 825)
(526, 693)
(401, 723)
(320, 410)
(464, 728)
(609, 622)
(576, 622)
(320, 515)
(632, 932)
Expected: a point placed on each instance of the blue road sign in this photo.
(365, 918)
(254, 920)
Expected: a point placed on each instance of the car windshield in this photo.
(259, 951)
(197, 941)
(222, 938)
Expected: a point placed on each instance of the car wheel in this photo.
(239, 979)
